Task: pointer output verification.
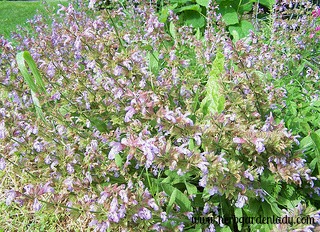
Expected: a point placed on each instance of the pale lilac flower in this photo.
(117, 70)
(2, 164)
(36, 205)
(238, 140)
(261, 193)
(61, 130)
(11, 195)
(122, 211)
(214, 190)
(211, 228)
(152, 203)
(130, 112)
(248, 175)
(116, 148)
(145, 214)
(48, 159)
(56, 96)
(70, 168)
(241, 201)
(259, 145)
(203, 181)
(114, 205)
(259, 170)
(113, 216)
(206, 208)
(38, 146)
(123, 195)
(203, 167)
(3, 130)
(163, 216)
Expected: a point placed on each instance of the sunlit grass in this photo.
(13, 13)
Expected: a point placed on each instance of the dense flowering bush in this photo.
(142, 130)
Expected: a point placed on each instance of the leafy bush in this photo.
(116, 126)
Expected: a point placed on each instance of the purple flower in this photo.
(203, 181)
(11, 195)
(70, 168)
(241, 201)
(238, 140)
(261, 193)
(152, 203)
(130, 112)
(113, 216)
(3, 130)
(116, 147)
(213, 190)
(2, 164)
(36, 205)
(38, 146)
(145, 214)
(259, 145)
(248, 175)
(163, 216)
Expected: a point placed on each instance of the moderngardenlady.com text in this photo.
(254, 220)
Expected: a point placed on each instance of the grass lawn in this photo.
(15, 13)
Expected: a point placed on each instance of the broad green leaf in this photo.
(229, 14)
(240, 30)
(38, 85)
(179, 1)
(172, 200)
(225, 229)
(204, 3)
(99, 124)
(172, 30)
(194, 7)
(153, 62)
(193, 18)
(37, 106)
(192, 189)
(316, 140)
(118, 160)
(180, 199)
(238, 214)
(214, 99)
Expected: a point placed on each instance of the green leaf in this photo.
(37, 106)
(180, 199)
(153, 62)
(193, 18)
(194, 7)
(229, 14)
(192, 189)
(204, 3)
(172, 30)
(179, 1)
(267, 3)
(36, 84)
(241, 30)
(172, 199)
(238, 214)
(214, 99)
(99, 124)
(118, 160)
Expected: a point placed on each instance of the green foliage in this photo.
(214, 99)
(193, 13)
(35, 83)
